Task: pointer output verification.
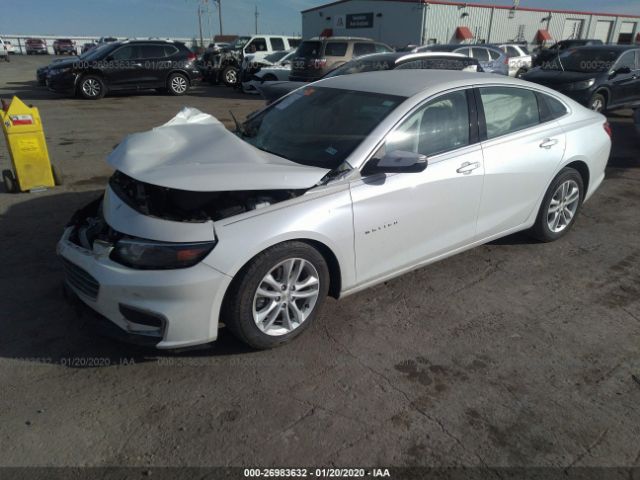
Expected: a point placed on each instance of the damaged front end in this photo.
(188, 206)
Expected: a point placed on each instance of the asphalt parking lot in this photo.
(516, 353)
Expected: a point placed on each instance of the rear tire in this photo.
(177, 84)
(91, 87)
(560, 206)
(9, 181)
(251, 297)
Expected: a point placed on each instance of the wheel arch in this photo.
(604, 91)
(180, 71)
(583, 169)
(333, 264)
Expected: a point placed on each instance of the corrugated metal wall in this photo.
(399, 23)
(395, 23)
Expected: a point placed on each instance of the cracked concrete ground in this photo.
(513, 354)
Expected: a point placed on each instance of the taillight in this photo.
(607, 128)
(319, 63)
(191, 56)
(506, 60)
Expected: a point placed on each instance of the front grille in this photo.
(80, 279)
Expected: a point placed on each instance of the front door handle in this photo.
(467, 167)
(548, 143)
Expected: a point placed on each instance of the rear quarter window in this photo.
(277, 44)
(335, 49)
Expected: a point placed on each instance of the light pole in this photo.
(219, 2)
(257, 14)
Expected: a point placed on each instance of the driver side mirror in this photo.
(622, 71)
(397, 161)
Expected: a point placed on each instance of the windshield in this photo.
(361, 66)
(583, 60)
(318, 126)
(96, 53)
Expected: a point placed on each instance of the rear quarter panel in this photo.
(587, 141)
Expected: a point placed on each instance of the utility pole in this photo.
(257, 14)
(219, 2)
(200, 25)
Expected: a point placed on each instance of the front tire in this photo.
(598, 103)
(91, 87)
(177, 84)
(230, 76)
(277, 295)
(560, 206)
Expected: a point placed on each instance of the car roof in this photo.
(455, 46)
(326, 39)
(617, 48)
(407, 83)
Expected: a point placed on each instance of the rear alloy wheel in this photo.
(560, 206)
(91, 87)
(177, 84)
(598, 103)
(277, 295)
(230, 76)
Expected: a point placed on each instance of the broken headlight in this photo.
(152, 255)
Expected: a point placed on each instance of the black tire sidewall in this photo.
(601, 97)
(224, 76)
(88, 97)
(541, 229)
(238, 309)
(171, 90)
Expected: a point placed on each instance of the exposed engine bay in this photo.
(188, 206)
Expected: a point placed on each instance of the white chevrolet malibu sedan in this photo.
(338, 186)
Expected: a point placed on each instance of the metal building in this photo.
(418, 22)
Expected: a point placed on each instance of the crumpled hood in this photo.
(194, 151)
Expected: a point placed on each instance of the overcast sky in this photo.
(178, 18)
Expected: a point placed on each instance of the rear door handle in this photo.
(468, 167)
(548, 143)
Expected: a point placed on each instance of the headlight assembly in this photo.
(151, 255)
(583, 85)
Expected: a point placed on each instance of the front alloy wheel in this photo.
(286, 296)
(276, 295)
(92, 88)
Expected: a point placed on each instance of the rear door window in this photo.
(127, 52)
(481, 54)
(152, 51)
(277, 44)
(335, 49)
(363, 49)
(508, 110)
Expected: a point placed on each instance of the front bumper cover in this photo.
(188, 300)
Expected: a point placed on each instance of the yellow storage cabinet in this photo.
(27, 147)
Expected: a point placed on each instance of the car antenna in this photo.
(239, 128)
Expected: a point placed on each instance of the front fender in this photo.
(323, 215)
